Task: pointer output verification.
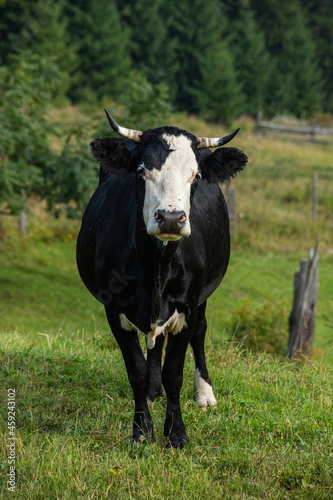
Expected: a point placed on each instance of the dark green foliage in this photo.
(297, 76)
(219, 59)
(148, 33)
(222, 98)
(320, 15)
(251, 59)
(293, 83)
(203, 77)
(24, 149)
(262, 329)
(103, 49)
(29, 166)
(72, 175)
(42, 29)
(141, 59)
(12, 25)
(145, 105)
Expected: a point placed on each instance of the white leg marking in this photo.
(204, 395)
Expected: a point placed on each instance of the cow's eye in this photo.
(195, 176)
(140, 172)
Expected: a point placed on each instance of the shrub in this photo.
(261, 328)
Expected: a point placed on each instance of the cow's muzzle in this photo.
(171, 225)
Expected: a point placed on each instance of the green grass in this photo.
(270, 437)
(42, 292)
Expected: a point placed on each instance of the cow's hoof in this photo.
(155, 392)
(143, 432)
(138, 439)
(177, 442)
(141, 438)
(204, 401)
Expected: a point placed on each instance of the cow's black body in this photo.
(139, 278)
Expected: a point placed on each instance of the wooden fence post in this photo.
(303, 313)
(314, 196)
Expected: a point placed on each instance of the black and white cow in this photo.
(153, 246)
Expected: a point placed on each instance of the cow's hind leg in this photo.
(137, 371)
(172, 377)
(204, 395)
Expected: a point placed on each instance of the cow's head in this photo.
(168, 163)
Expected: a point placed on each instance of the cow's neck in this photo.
(157, 260)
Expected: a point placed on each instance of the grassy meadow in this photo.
(271, 435)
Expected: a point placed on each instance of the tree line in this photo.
(217, 58)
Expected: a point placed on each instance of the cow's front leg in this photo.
(204, 395)
(154, 357)
(137, 371)
(172, 377)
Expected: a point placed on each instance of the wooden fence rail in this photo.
(313, 131)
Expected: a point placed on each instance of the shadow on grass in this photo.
(66, 394)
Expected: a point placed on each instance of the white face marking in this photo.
(204, 395)
(169, 189)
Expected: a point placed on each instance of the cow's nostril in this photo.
(182, 218)
(160, 217)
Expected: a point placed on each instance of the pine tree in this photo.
(42, 30)
(275, 18)
(49, 38)
(103, 48)
(185, 73)
(293, 76)
(11, 26)
(251, 58)
(320, 18)
(148, 34)
(203, 76)
(224, 100)
(298, 76)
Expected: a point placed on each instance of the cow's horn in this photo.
(211, 142)
(134, 135)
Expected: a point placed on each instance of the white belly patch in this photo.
(126, 324)
(173, 325)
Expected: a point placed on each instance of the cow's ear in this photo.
(111, 153)
(223, 164)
